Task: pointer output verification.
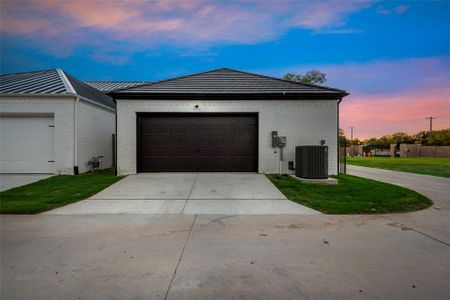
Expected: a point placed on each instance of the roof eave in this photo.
(228, 96)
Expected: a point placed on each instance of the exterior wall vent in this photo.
(311, 162)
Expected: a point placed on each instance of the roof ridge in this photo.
(66, 82)
(169, 79)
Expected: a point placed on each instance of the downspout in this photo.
(75, 135)
(70, 90)
(115, 142)
(337, 136)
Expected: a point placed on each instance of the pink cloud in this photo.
(405, 111)
(143, 24)
(399, 9)
(330, 13)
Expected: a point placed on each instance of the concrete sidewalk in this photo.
(435, 188)
(434, 221)
(188, 193)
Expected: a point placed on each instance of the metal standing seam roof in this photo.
(228, 81)
(109, 86)
(51, 82)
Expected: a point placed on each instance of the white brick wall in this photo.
(303, 122)
(95, 128)
(62, 109)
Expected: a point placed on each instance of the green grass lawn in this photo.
(353, 195)
(422, 165)
(54, 191)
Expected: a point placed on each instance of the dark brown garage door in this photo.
(197, 142)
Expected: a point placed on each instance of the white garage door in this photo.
(27, 144)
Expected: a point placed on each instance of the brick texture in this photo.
(304, 122)
(95, 128)
(62, 109)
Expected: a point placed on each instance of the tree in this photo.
(439, 138)
(400, 137)
(341, 133)
(371, 141)
(421, 137)
(386, 140)
(355, 141)
(310, 77)
(342, 138)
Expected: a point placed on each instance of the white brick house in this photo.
(222, 120)
(50, 122)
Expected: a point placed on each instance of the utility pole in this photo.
(351, 134)
(431, 123)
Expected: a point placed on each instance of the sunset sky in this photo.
(393, 57)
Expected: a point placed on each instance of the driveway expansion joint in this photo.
(190, 193)
(420, 232)
(179, 259)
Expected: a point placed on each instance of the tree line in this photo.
(437, 138)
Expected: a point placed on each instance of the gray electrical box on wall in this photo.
(274, 138)
(281, 141)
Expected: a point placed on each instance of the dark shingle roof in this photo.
(109, 86)
(231, 82)
(53, 81)
(87, 91)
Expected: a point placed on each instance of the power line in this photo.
(351, 134)
(431, 123)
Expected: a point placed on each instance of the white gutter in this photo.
(6, 95)
(71, 90)
(97, 104)
(337, 139)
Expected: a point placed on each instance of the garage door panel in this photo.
(189, 151)
(168, 165)
(26, 144)
(156, 140)
(200, 165)
(26, 155)
(200, 142)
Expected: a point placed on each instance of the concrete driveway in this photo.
(402, 256)
(9, 181)
(189, 193)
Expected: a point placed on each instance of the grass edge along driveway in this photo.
(54, 192)
(353, 195)
(435, 166)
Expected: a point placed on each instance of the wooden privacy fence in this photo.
(406, 150)
(418, 150)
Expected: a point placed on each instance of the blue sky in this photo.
(392, 54)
